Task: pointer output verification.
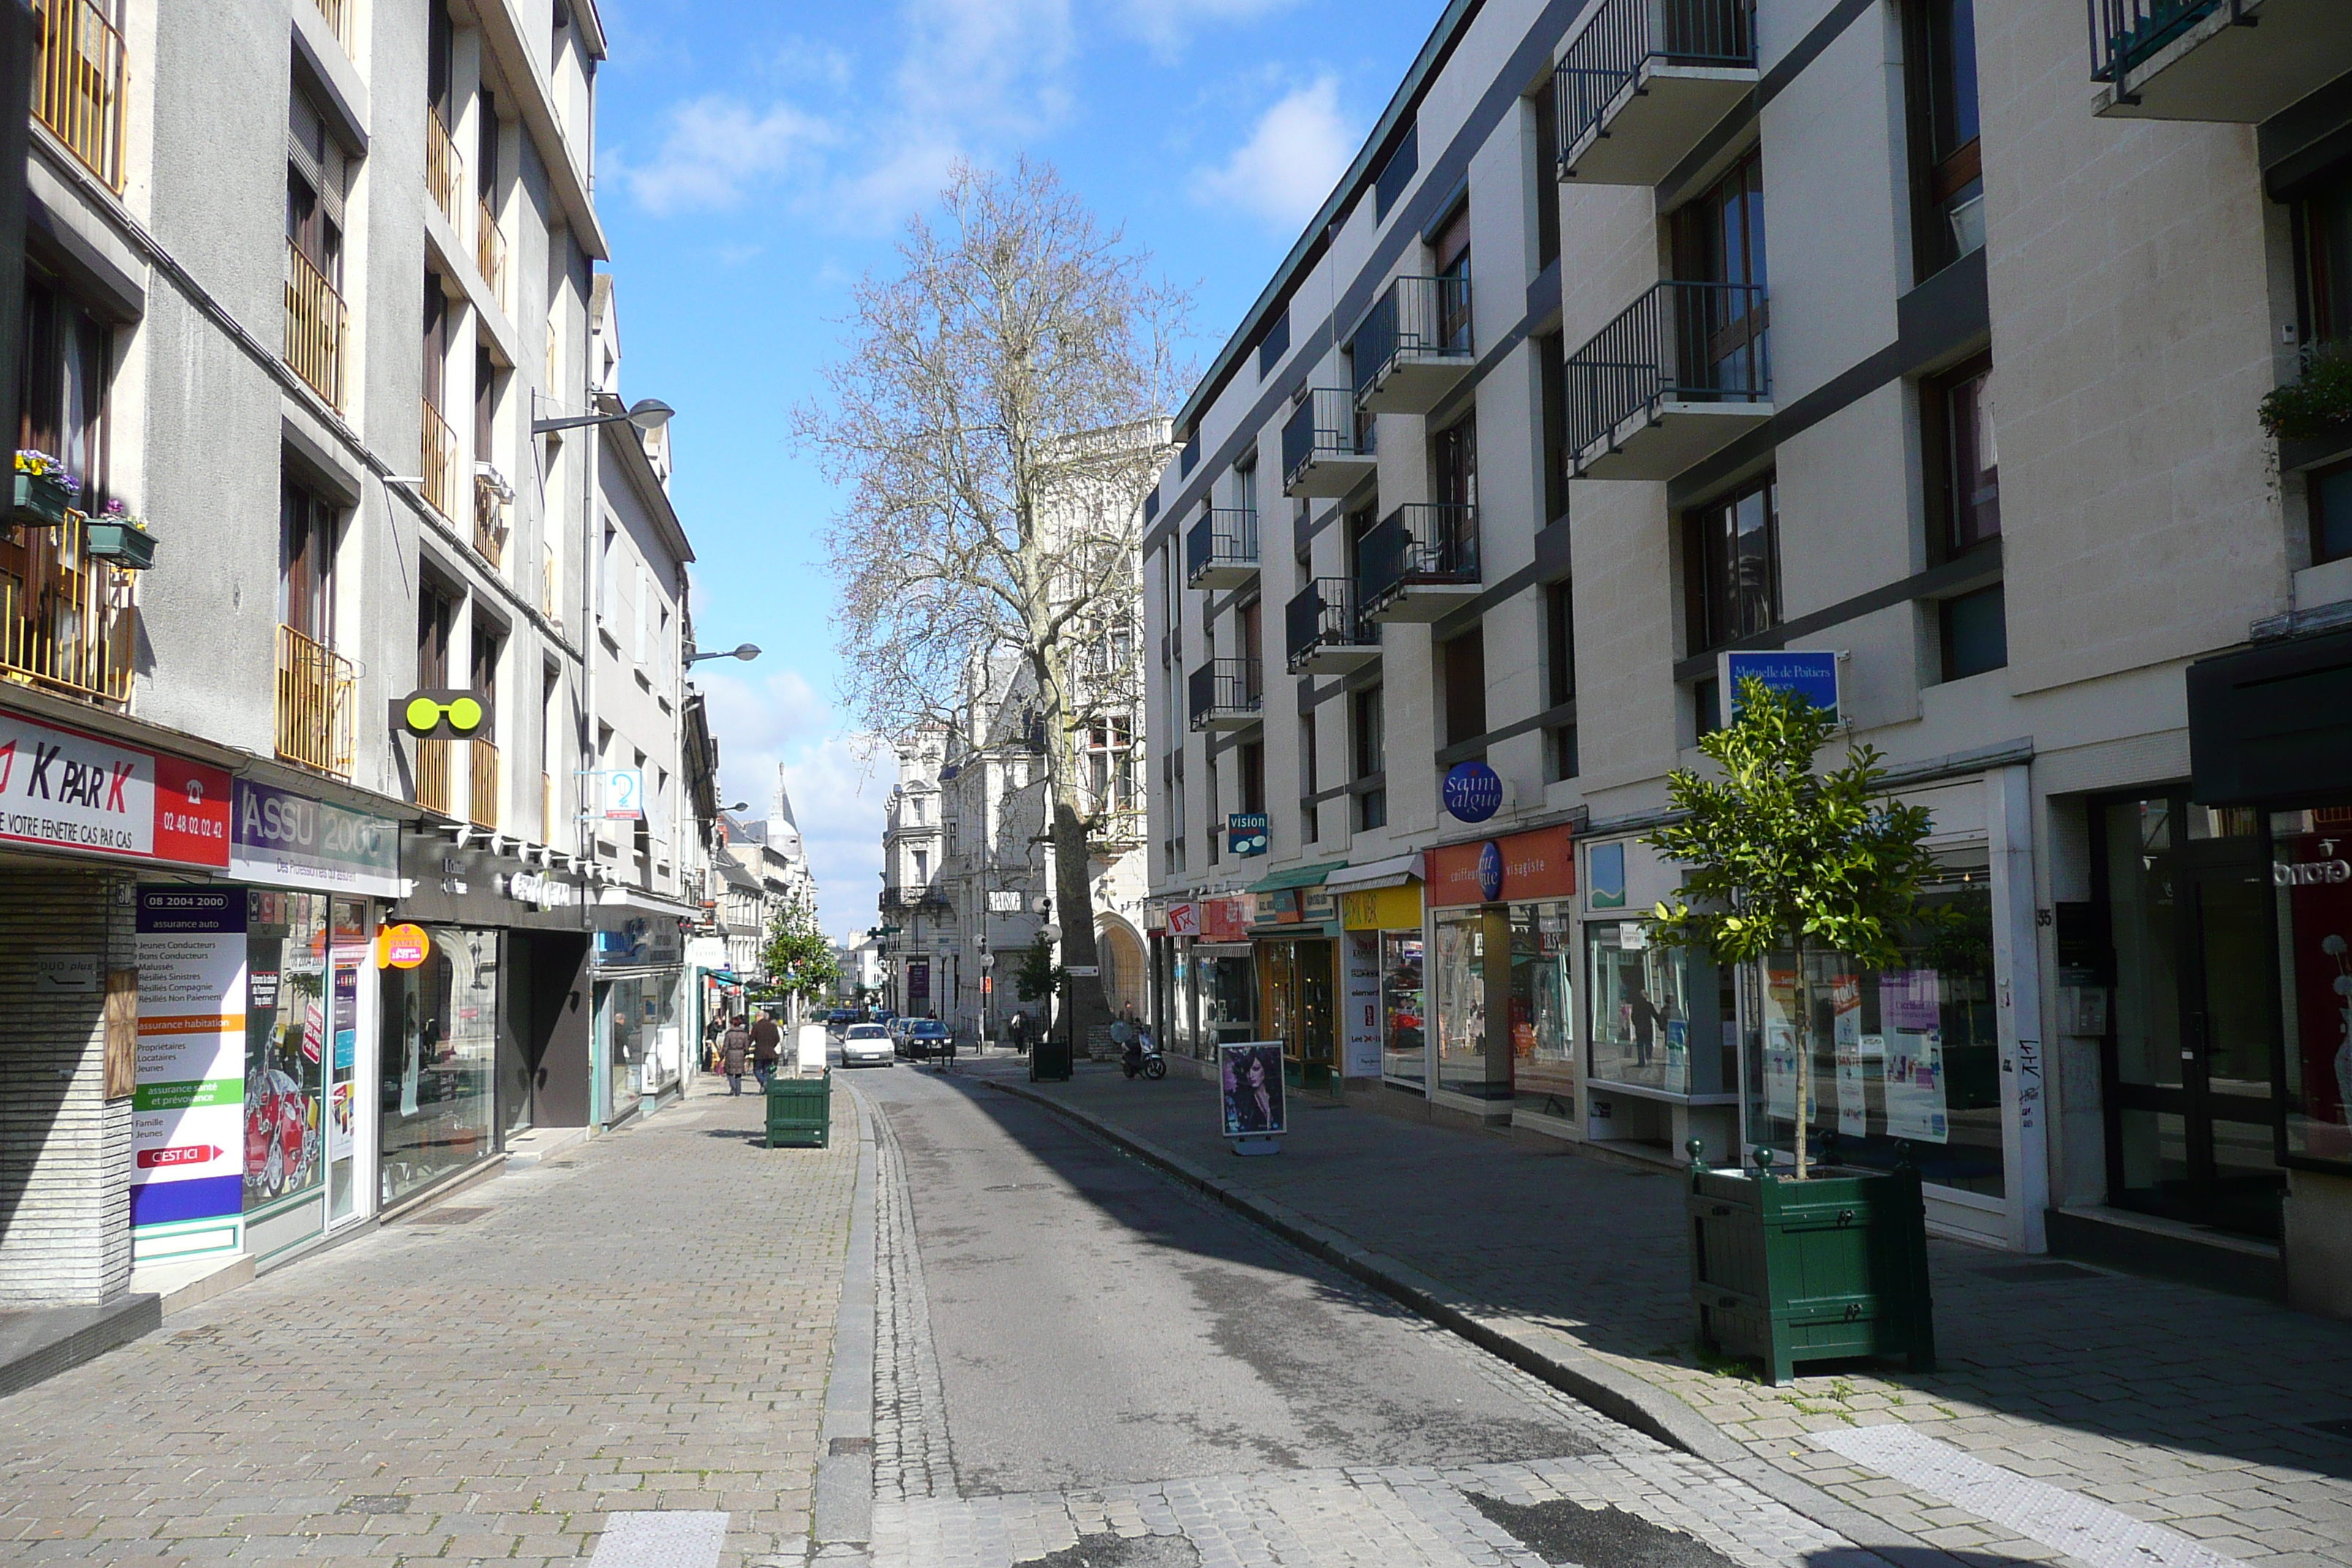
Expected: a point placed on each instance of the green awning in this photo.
(1304, 877)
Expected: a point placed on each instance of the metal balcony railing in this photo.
(2125, 33)
(1223, 537)
(490, 252)
(315, 718)
(77, 83)
(1227, 685)
(443, 167)
(1423, 317)
(1680, 342)
(68, 623)
(489, 520)
(1606, 58)
(438, 455)
(1328, 423)
(316, 327)
(1423, 542)
(432, 775)
(1323, 615)
(482, 782)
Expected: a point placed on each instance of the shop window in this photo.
(1405, 1056)
(1543, 1013)
(287, 1030)
(1940, 50)
(1731, 565)
(1459, 974)
(2309, 852)
(440, 1061)
(1228, 983)
(1974, 630)
(1464, 660)
(1645, 1030)
(1903, 1056)
(2328, 497)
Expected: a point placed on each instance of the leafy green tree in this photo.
(799, 956)
(1782, 859)
(1039, 976)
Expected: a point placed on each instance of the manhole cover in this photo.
(1021, 1187)
(2333, 1428)
(374, 1505)
(2033, 1273)
(449, 1217)
(852, 1445)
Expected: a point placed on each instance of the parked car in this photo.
(926, 1037)
(840, 1018)
(866, 1042)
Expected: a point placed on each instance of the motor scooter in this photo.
(1142, 1058)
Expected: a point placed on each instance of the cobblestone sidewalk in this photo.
(2184, 1407)
(645, 1324)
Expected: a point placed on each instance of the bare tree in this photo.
(996, 420)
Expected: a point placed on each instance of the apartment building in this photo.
(307, 331)
(1525, 450)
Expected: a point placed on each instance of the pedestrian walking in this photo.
(1018, 1028)
(734, 1051)
(767, 1046)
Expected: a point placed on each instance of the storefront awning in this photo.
(1304, 877)
(1392, 872)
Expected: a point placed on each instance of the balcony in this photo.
(1420, 564)
(549, 579)
(315, 727)
(433, 776)
(68, 623)
(913, 900)
(490, 253)
(482, 783)
(490, 496)
(1645, 80)
(77, 83)
(442, 165)
(1683, 373)
(438, 455)
(1220, 550)
(316, 326)
(2239, 61)
(1413, 346)
(1227, 694)
(1322, 634)
(1327, 448)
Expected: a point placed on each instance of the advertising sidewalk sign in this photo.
(187, 1118)
(1249, 1077)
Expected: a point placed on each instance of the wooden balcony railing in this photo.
(66, 623)
(443, 167)
(489, 522)
(438, 456)
(316, 325)
(315, 716)
(490, 253)
(77, 83)
(482, 785)
(432, 775)
(337, 14)
(549, 578)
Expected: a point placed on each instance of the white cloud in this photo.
(718, 149)
(1168, 25)
(1298, 150)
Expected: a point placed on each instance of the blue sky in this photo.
(755, 158)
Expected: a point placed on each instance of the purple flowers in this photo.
(40, 465)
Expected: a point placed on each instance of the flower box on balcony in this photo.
(41, 501)
(130, 548)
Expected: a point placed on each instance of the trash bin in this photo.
(800, 1111)
(1049, 1058)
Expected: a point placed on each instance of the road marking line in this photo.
(679, 1540)
(2101, 1536)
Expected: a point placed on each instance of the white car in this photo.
(866, 1042)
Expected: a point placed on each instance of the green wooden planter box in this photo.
(39, 500)
(800, 1111)
(133, 549)
(1791, 1271)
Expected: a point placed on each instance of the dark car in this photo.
(840, 1018)
(924, 1038)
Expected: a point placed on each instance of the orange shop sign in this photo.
(401, 946)
(1510, 870)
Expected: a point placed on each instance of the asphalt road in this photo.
(1095, 1323)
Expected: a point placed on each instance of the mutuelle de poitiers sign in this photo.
(1810, 674)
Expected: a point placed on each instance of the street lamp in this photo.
(744, 651)
(647, 414)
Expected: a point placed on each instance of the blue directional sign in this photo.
(1245, 833)
(1813, 675)
(1473, 791)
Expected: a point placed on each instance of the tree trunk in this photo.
(1084, 1008)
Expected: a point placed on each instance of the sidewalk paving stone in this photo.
(2189, 1407)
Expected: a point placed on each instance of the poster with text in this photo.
(187, 1123)
(1853, 1085)
(347, 1055)
(1363, 1005)
(1914, 1086)
(1780, 1070)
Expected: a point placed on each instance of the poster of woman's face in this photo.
(1252, 1075)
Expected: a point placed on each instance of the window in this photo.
(922, 867)
(1731, 563)
(1110, 764)
(1452, 249)
(1718, 238)
(1958, 410)
(2323, 234)
(1310, 781)
(1253, 762)
(1275, 344)
(1216, 837)
(487, 643)
(67, 366)
(1246, 484)
(1371, 758)
(1552, 371)
(1465, 660)
(1545, 176)
(486, 406)
(1396, 174)
(2328, 495)
(1559, 673)
(437, 343)
(316, 178)
(437, 616)
(1975, 633)
(308, 529)
(1249, 628)
(1939, 46)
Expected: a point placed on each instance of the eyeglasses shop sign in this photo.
(289, 840)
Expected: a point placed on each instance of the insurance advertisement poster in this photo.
(187, 1186)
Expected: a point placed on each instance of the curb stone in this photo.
(1542, 1353)
(841, 1516)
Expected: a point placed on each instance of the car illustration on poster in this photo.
(281, 1134)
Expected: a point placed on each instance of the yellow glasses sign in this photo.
(441, 715)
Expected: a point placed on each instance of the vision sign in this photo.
(68, 789)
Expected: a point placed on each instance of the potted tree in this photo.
(46, 490)
(121, 536)
(1831, 1261)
